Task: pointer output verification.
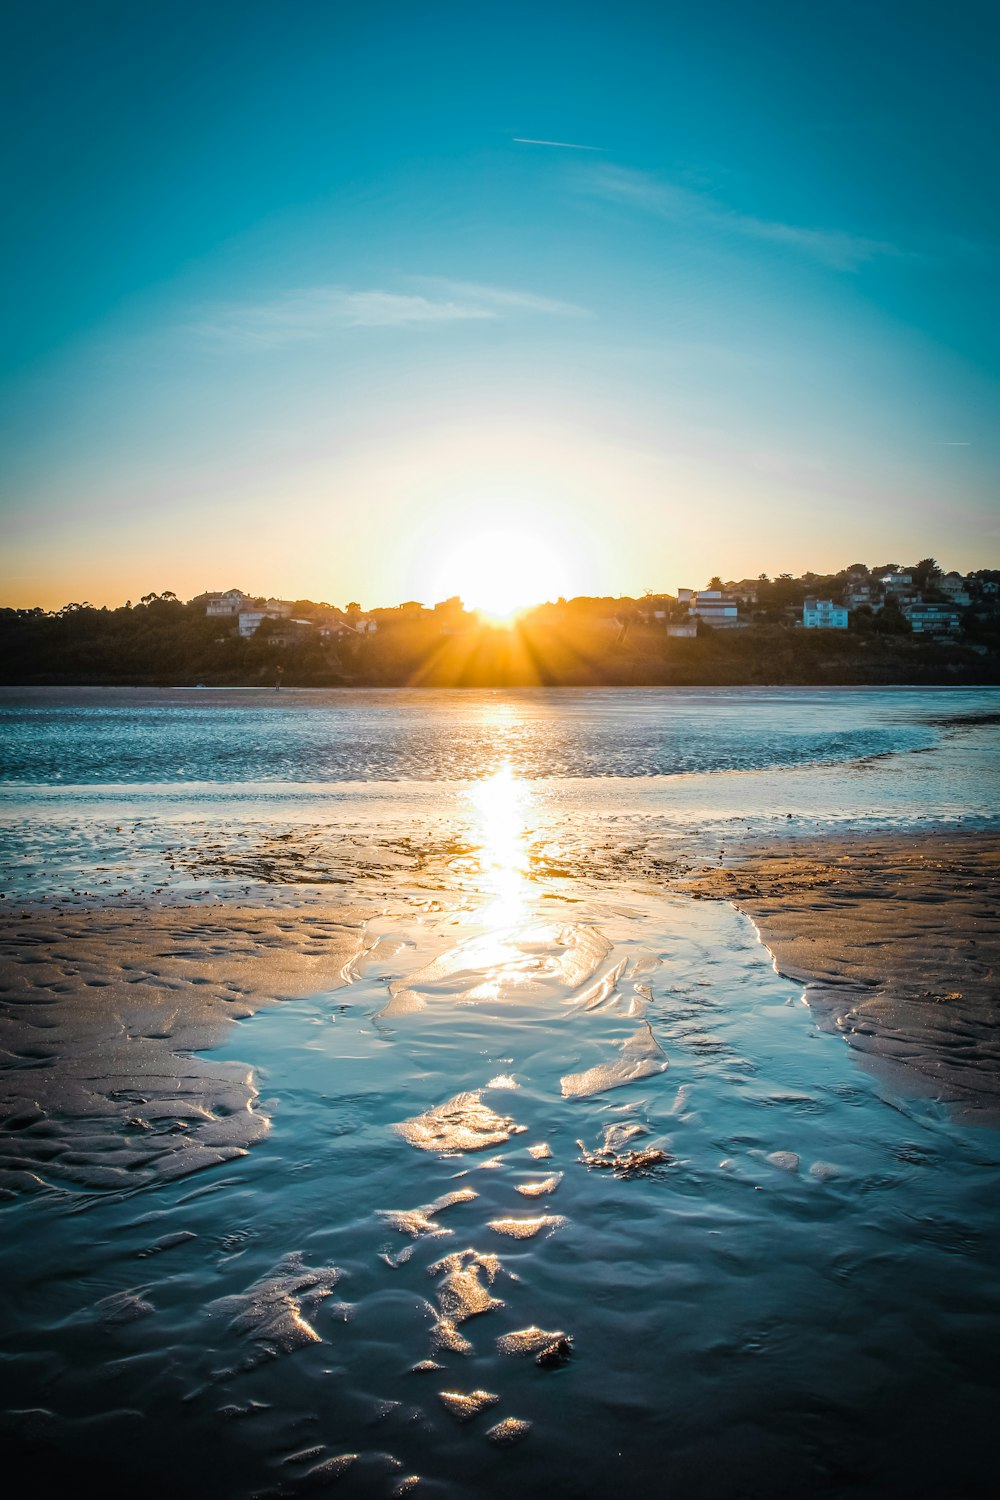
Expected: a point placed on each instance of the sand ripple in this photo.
(510, 1430)
(466, 1406)
(641, 1055)
(420, 1221)
(272, 1310)
(463, 1123)
(527, 1341)
(526, 1229)
(539, 1189)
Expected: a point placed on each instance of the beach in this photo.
(897, 942)
(363, 1131)
(105, 1019)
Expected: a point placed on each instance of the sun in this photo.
(500, 571)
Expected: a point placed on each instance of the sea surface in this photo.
(565, 1192)
(118, 794)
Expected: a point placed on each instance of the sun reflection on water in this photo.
(501, 806)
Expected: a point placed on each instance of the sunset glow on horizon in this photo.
(501, 560)
(666, 293)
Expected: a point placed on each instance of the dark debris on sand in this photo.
(648, 1163)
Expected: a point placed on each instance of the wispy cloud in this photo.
(500, 300)
(700, 212)
(307, 314)
(310, 313)
(527, 140)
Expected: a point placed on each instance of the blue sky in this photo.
(296, 295)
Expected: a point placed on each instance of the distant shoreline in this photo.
(598, 644)
(943, 667)
(956, 680)
(269, 689)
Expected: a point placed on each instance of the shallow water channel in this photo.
(789, 1283)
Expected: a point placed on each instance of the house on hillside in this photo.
(289, 632)
(335, 630)
(746, 591)
(955, 589)
(896, 585)
(229, 603)
(932, 619)
(714, 606)
(249, 621)
(823, 614)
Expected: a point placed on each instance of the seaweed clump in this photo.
(644, 1163)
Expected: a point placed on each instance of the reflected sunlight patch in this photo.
(500, 803)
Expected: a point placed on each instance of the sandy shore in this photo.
(101, 1011)
(896, 940)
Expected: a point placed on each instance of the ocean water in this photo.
(91, 737)
(564, 1191)
(122, 794)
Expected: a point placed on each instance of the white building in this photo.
(250, 621)
(713, 606)
(720, 614)
(823, 614)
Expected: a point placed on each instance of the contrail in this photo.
(525, 140)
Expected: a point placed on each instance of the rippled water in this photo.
(97, 736)
(122, 794)
(565, 1192)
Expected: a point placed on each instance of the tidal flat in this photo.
(448, 1093)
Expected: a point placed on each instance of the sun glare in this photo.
(501, 804)
(499, 572)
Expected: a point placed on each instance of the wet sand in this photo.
(896, 940)
(106, 1014)
(101, 1011)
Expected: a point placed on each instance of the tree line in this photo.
(161, 641)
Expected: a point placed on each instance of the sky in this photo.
(381, 301)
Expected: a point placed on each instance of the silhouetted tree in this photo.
(926, 573)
